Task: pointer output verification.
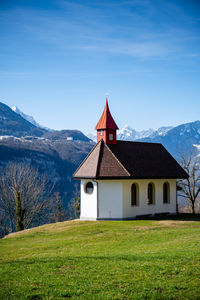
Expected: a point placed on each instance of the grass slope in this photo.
(103, 260)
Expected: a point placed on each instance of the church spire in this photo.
(106, 127)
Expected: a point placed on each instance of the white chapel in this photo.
(125, 180)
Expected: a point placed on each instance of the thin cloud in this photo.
(88, 28)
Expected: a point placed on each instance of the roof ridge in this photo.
(87, 157)
(102, 143)
(118, 160)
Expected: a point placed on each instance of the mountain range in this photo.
(129, 134)
(59, 152)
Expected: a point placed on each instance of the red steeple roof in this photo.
(106, 121)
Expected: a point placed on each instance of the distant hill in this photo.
(74, 135)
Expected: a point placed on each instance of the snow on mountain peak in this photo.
(163, 130)
(28, 118)
(129, 134)
(14, 108)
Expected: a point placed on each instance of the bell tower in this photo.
(106, 127)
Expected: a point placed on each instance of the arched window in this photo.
(166, 192)
(89, 188)
(151, 193)
(134, 194)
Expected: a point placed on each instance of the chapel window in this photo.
(166, 192)
(89, 188)
(134, 194)
(151, 193)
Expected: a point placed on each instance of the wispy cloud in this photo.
(128, 28)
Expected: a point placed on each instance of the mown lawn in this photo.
(149, 259)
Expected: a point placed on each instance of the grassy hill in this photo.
(149, 259)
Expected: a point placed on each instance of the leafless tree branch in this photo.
(35, 193)
(190, 188)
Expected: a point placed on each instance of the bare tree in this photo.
(74, 208)
(74, 205)
(190, 188)
(24, 195)
(59, 211)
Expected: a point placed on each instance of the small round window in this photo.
(89, 188)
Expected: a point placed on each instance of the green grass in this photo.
(148, 259)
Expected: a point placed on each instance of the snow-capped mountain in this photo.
(162, 131)
(28, 118)
(129, 134)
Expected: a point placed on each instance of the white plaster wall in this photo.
(110, 199)
(143, 208)
(88, 202)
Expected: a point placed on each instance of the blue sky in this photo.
(59, 60)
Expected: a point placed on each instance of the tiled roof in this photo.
(89, 166)
(106, 121)
(109, 164)
(127, 160)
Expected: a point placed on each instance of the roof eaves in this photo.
(100, 150)
(85, 177)
(131, 177)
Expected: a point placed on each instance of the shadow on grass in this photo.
(160, 217)
(166, 216)
(177, 217)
